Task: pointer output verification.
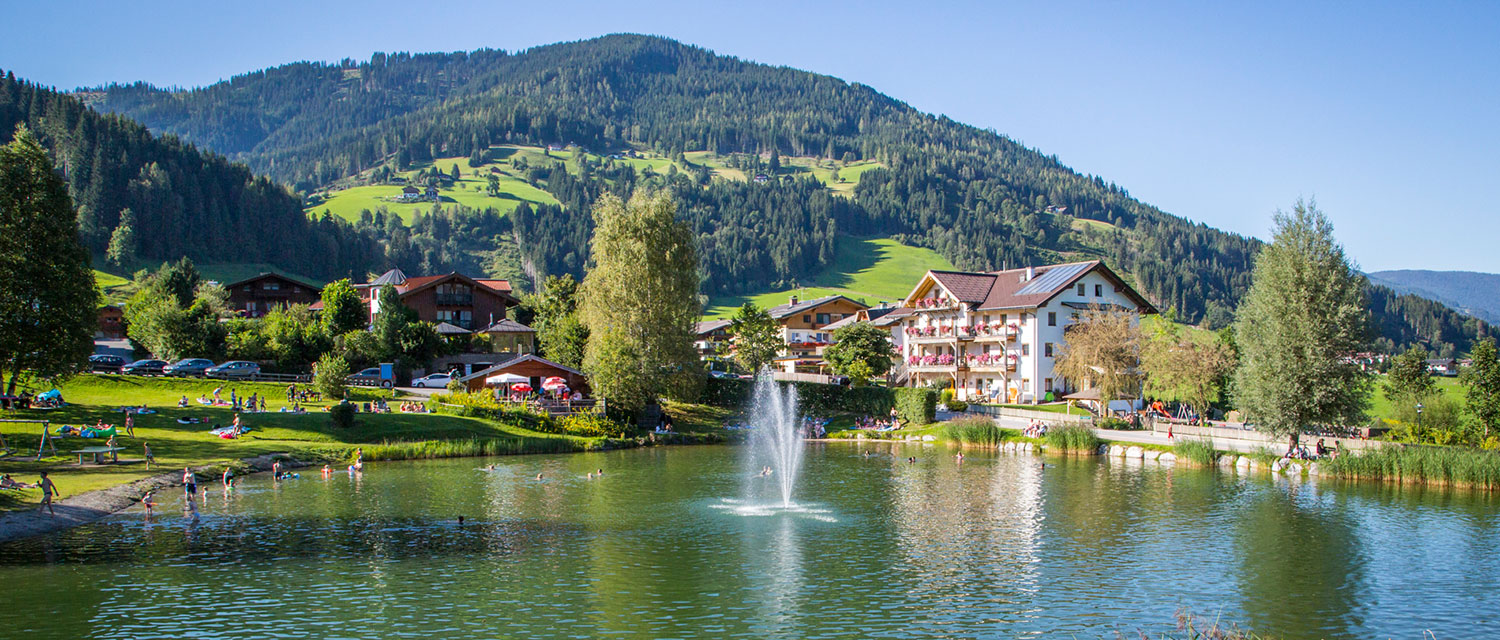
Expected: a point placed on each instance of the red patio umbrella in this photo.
(522, 387)
(554, 383)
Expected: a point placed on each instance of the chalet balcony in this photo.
(992, 362)
(454, 300)
(935, 363)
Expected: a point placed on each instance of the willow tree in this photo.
(1304, 314)
(48, 303)
(1103, 349)
(1186, 366)
(639, 301)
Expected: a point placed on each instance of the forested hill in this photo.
(1477, 294)
(979, 198)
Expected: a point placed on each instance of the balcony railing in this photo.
(455, 300)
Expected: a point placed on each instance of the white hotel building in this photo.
(993, 335)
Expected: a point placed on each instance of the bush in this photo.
(1074, 438)
(1117, 424)
(342, 415)
(814, 398)
(330, 377)
(591, 425)
(958, 406)
(916, 406)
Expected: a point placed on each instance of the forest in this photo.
(977, 197)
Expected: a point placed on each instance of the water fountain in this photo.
(776, 440)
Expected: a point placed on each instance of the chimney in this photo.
(794, 300)
(1030, 273)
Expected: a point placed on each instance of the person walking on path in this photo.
(49, 490)
(130, 423)
(149, 458)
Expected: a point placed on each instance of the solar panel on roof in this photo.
(1052, 279)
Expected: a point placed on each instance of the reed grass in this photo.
(1200, 452)
(978, 431)
(1449, 466)
(467, 448)
(1073, 438)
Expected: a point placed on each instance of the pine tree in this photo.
(48, 305)
(1304, 314)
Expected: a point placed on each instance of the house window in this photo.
(1025, 385)
(1047, 350)
(1047, 383)
(1004, 318)
(1081, 289)
(807, 318)
(822, 318)
(273, 286)
(247, 288)
(250, 306)
(1098, 290)
(1051, 318)
(1025, 349)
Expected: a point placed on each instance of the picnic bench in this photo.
(97, 452)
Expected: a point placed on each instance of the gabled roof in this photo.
(1012, 289)
(280, 276)
(842, 322)
(498, 285)
(783, 310)
(406, 286)
(888, 316)
(506, 325)
(487, 372)
(709, 326)
(446, 329)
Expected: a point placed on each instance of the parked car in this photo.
(144, 368)
(105, 363)
(434, 381)
(233, 369)
(723, 374)
(188, 367)
(368, 378)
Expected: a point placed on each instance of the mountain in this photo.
(706, 124)
(1474, 293)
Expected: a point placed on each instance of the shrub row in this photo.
(814, 398)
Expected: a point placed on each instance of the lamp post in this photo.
(1419, 417)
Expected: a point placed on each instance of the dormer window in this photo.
(1082, 290)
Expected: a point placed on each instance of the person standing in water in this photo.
(189, 484)
(49, 491)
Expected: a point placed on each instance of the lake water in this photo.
(665, 545)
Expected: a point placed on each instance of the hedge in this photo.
(813, 398)
(917, 406)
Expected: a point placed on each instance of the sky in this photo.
(1384, 113)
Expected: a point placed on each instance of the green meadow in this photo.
(874, 270)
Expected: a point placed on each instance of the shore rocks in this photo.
(1136, 453)
(1167, 457)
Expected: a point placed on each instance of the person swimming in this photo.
(538, 476)
(327, 470)
(599, 473)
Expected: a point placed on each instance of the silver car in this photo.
(234, 369)
(188, 367)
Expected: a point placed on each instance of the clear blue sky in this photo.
(1386, 113)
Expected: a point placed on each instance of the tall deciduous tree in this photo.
(756, 337)
(343, 311)
(1304, 314)
(860, 351)
(122, 242)
(554, 316)
(1102, 348)
(1482, 381)
(639, 301)
(48, 303)
(1409, 382)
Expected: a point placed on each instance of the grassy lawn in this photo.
(98, 397)
(873, 269)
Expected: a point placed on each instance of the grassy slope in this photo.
(97, 397)
(1380, 406)
(875, 269)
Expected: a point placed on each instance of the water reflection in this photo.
(998, 546)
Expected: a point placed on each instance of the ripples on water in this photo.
(668, 545)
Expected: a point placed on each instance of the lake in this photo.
(672, 543)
